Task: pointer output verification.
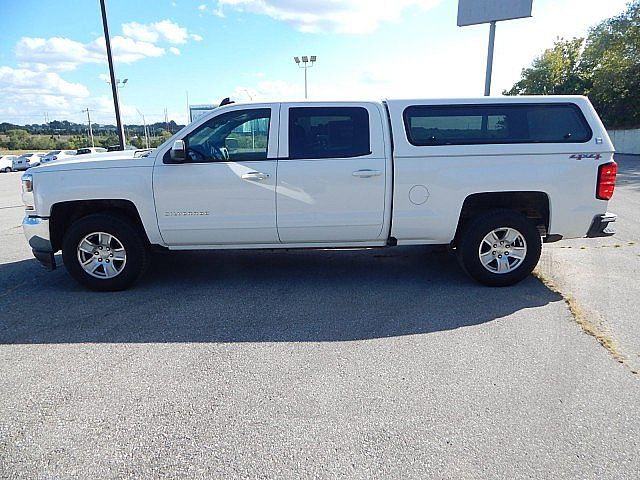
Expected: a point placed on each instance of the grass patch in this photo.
(582, 319)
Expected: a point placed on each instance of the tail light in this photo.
(606, 181)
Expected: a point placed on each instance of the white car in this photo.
(34, 158)
(57, 155)
(7, 163)
(15, 163)
(493, 178)
(89, 150)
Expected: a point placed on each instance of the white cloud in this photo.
(139, 31)
(55, 53)
(138, 41)
(26, 93)
(174, 50)
(202, 8)
(61, 54)
(153, 32)
(344, 16)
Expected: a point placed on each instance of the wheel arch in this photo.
(63, 214)
(535, 205)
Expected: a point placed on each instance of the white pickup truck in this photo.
(493, 178)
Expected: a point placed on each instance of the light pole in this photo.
(112, 74)
(306, 63)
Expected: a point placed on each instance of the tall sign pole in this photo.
(475, 12)
(112, 74)
(492, 43)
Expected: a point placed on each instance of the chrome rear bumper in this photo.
(601, 226)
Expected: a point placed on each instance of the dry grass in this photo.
(583, 320)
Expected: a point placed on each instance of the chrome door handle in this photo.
(255, 176)
(367, 173)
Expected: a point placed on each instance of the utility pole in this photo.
(90, 129)
(306, 64)
(188, 107)
(144, 125)
(112, 74)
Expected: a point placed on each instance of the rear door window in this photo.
(328, 132)
(495, 124)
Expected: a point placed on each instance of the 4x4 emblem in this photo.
(580, 156)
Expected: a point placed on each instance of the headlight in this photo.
(27, 183)
(27, 191)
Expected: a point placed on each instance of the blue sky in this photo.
(52, 60)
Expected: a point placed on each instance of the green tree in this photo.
(605, 67)
(612, 58)
(556, 72)
(157, 141)
(18, 139)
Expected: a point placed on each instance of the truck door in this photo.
(224, 191)
(332, 173)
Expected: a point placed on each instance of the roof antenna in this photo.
(226, 101)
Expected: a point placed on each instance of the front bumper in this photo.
(36, 230)
(601, 226)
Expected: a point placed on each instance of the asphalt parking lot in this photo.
(353, 364)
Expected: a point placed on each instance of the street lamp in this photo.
(306, 63)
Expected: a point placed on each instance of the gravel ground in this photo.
(355, 364)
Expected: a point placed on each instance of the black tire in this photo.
(6, 170)
(126, 233)
(471, 241)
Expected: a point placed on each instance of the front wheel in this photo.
(104, 252)
(500, 248)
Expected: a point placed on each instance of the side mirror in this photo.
(179, 151)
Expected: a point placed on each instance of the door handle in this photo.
(255, 176)
(367, 173)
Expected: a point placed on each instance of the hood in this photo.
(120, 159)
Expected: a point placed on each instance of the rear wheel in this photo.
(6, 169)
(104, 252)
(500, 248)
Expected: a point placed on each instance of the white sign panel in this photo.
(473, 12)
(197, 111)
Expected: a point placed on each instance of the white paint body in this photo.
(415, 196)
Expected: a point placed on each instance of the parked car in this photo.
(89, 150)
(116, 148)
(54, 155)
(35, 158)
(14, 163)
(493, 178)
(7, 163)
